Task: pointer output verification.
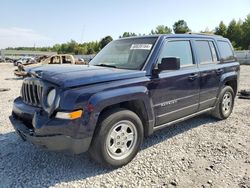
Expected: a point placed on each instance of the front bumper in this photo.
(34, 125)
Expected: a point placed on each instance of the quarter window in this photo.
(226, 51)
(180, 49)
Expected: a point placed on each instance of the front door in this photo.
(175, 94)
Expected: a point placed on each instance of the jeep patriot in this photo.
(132, 87)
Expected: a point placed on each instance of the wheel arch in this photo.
(233, 84)
(229, 79)
(135, 99)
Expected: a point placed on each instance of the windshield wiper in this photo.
(106, 65)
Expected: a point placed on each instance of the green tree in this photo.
(71, 47)
(56, 48)
(234, 33)
(181, 27)
(221, 30)
(246, 33)
(127, 34)
(90, 51)
(105, 41)
(63, 49)
(94, 45)
(161, 29)
(81, 49)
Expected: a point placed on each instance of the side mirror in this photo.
(169, 63)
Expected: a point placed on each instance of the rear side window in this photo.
(204, 51)
(226, 51)
(180, 49)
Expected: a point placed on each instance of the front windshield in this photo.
(125, 54)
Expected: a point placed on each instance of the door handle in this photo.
(219, 71)
(193, 76)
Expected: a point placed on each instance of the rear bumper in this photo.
(50, 133)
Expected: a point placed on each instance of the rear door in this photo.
(210, 71)
(175, 94)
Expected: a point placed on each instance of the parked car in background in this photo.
(133, 87)
(41, 58)
(2, 60)
(59, 59)
(81, 61)
(9, 60)
(24, 61)
(52, 60)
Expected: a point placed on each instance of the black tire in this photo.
(219, 111)
(99, 149)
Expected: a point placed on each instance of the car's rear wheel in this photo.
(225, 103)
(118, 138)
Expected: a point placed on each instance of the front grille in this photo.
(31, 92)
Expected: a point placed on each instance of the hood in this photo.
(77, 75)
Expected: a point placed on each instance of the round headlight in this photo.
(51, 97)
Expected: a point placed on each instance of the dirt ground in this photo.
(200, 152)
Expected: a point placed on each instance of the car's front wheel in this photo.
(118, 138)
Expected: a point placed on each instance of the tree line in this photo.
(238, 32)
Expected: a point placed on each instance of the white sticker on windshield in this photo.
(141, 47)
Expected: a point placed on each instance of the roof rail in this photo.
(208, 34)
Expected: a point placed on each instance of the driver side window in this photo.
(180, 49)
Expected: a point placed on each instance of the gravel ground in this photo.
(200, 152)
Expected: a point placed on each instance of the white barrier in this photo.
(243, 57)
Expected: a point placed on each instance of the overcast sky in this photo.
(46, 22)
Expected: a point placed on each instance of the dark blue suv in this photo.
(133, 87)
